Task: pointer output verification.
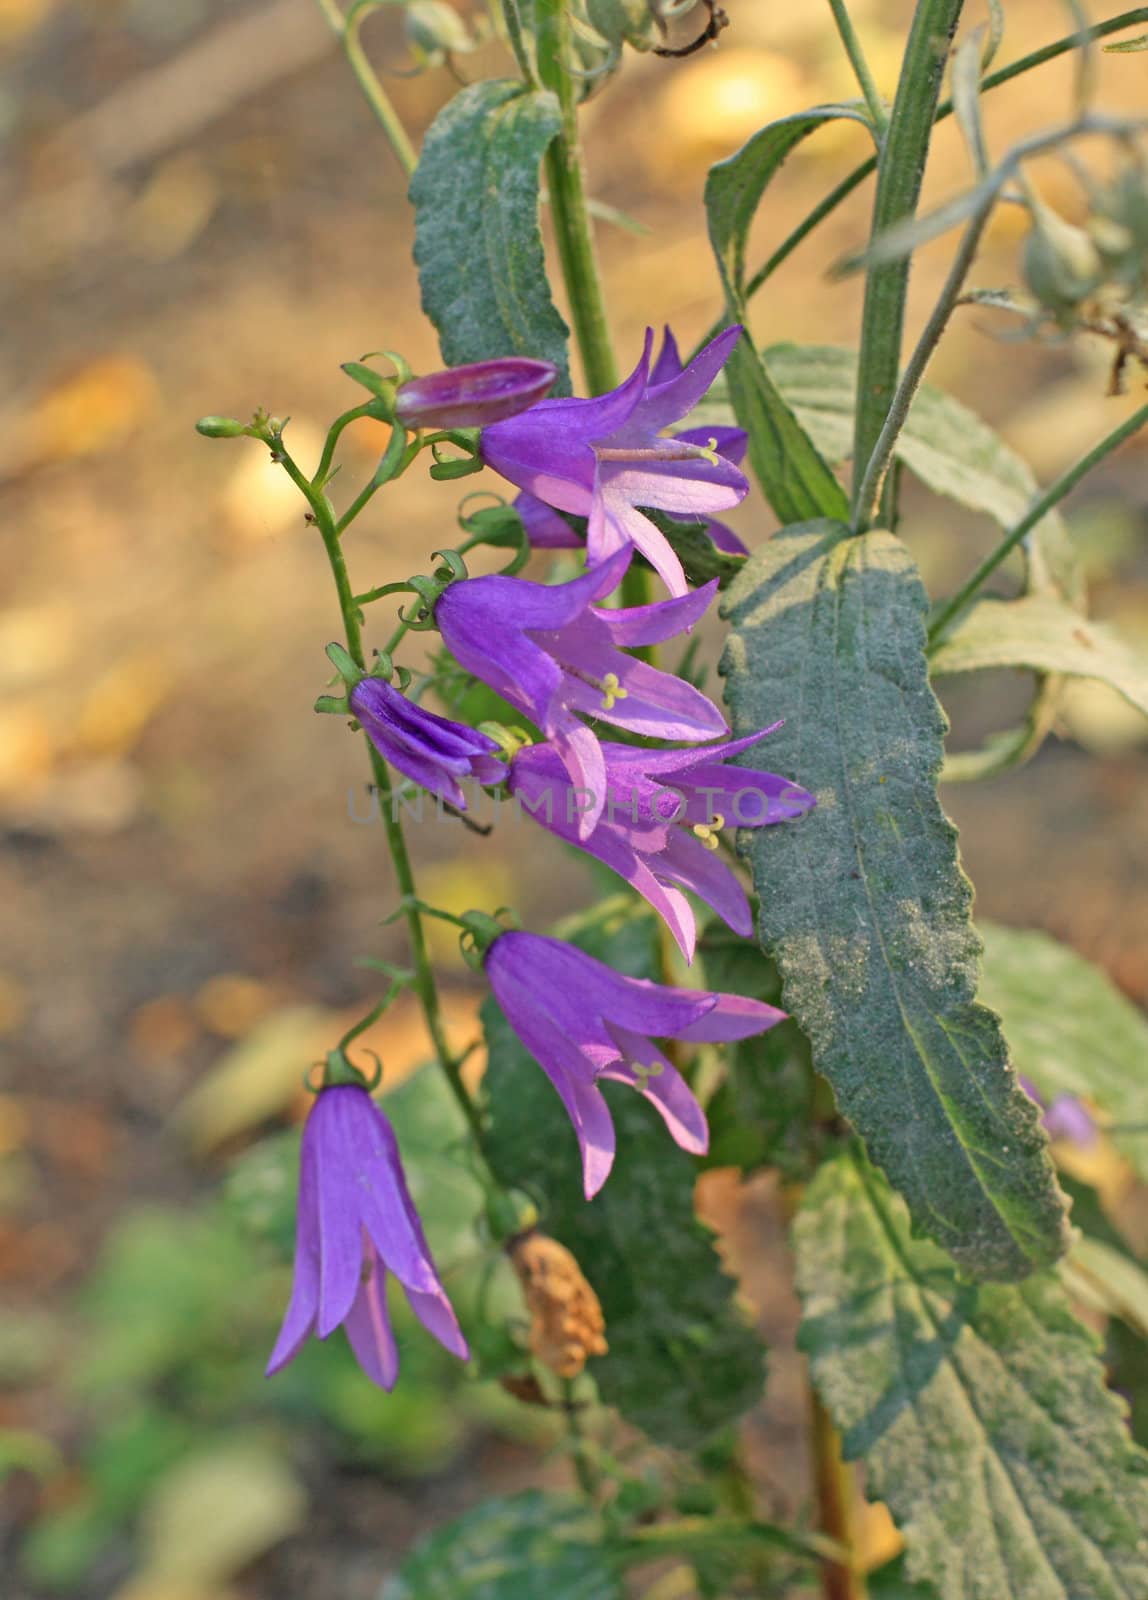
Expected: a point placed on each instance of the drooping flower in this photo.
(432, 750)
(473, 396)
(730, 443)
(664, 811)
(582, 1022)
(557, 657)
(356, 1222)
(1066, 1117)
(604, 458)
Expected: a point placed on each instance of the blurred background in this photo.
(201, 216)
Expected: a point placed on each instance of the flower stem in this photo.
(947, 614)
(900, 171)
(424, 982)
(836, 1500)
(567, 185)
(346, 30)
(856, 54)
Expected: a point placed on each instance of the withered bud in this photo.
(566, 1322)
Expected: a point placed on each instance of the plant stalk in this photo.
(900, 171)
(955, 608)
(836, 1499)
(424, 985)
(854, 50)
(346, 30)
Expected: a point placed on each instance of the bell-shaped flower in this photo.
(356, 1223)
(582, 1022)
(604, 458)
(431, 750)
(473, 396)
(558, 657)
(661, 823)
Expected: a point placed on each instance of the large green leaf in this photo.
(683, 1360)
(1042, 634)
(980, 1409)
(863, 904)
(509, 1549)
(477, 242)
(1070, 1030)
(794, 478)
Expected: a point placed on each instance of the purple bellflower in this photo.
(473, 396)
(583, 1022)
(557, 657)
(664, 811)
(431, 750)
(604, 458)
(357, 1222)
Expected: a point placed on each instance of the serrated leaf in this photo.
(864, 906)
(683, 1360)
(980, 1409)
(1040, 634)
(763, 1113)
(508, 1549)
(1070, 1030)
(794, 478)
(478, 247)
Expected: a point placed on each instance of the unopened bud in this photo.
(220, 427)
(474, 396)
(435, 31)
(1061, 264)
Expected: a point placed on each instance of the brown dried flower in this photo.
(566, 1322)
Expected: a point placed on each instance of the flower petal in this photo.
(733, 1016)
(545, 529)
(665, 1089)
(615, 522)
(386, 1209)
(436, 1314)
(299, 1320)
(665, 404)
(632, 626)
(369, 1328)
(332, 1126)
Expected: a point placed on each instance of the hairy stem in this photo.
(425, 986)
(900, 170)
(856, 54)
(952, 610)
(347, 32)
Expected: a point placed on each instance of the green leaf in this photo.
(763, 1113)
(1127, 47)
(794, 478)
(1070, 1030)
(683, 1361)
(1104, 1279)
(477, 241)
(980, 1409)
(863, 903)
(508, 1549)
(1041, 634)
(735, 186)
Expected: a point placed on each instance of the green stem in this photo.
(869, 490)
(516, 34)
(856, 54)
(955, 608)
(900, 171)
(567, 186)
(347, 32)
(424, 982)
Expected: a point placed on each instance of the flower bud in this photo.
(220, 427)
(475, 395)
(1061, 264)
(436, 31)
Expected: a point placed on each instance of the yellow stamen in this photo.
(612, 691)
(708, 832)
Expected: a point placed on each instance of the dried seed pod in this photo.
(566, 1322)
